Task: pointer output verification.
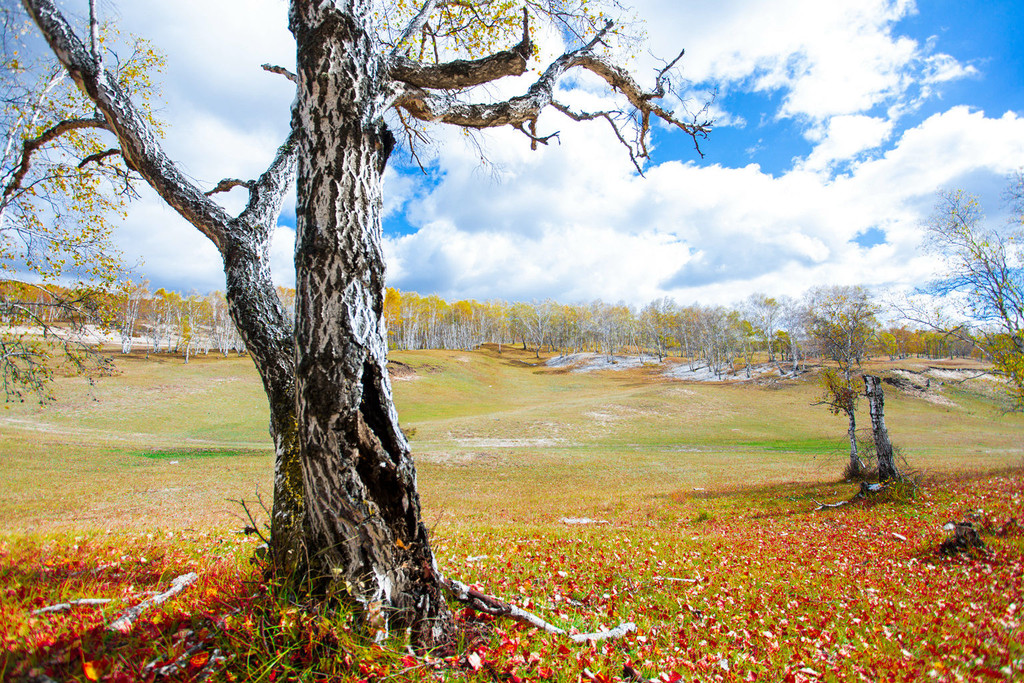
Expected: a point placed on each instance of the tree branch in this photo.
(229, 184)
(462, 73)
(125, 622)
(32, 145)
(267, 193)
(414, 26)
(98, 157)
(516, 111)
(280, 70)
(491, 605)
(140, 146)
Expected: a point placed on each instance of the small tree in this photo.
(883, 446)
(841, 321)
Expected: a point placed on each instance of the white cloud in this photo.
(825, 58)
(843, 138)
(572, 221)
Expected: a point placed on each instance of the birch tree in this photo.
(346, 513)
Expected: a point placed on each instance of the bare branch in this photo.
(608, 116)
(489, 604)
(267, 193)
(280, 70)
(662, 78)
(124, 623)
(517, 111)
(65, 606)
(532, 134)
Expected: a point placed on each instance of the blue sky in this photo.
(836, 123)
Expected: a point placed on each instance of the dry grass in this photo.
(497, 438)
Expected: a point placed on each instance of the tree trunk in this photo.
(365, 536)
(856, 467)
(883, 447)
(266, 331)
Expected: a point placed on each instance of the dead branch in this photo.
(274, 69)
(124, 623)
(866, 490)
(828, 506)
(445, 107)
(229, 184)
(491, 605)
(65, 606)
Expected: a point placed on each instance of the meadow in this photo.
(703, 528)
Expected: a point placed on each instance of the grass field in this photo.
(707, 539)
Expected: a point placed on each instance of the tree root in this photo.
(489, 604)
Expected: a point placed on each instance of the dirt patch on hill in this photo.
(400, 371)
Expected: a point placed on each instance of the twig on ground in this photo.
(124, 623)
(673, 579)
(489, 604)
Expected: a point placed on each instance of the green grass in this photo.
(481, 423)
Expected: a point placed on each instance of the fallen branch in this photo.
(491, 605)
(825, 506)
(64, 606)
(124, 623)
(583, 520)
(866, 490)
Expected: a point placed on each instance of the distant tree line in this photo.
(780, 330)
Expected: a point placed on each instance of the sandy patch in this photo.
(507, 443)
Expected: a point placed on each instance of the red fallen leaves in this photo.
(794, 596)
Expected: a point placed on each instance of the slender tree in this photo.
(346, 510)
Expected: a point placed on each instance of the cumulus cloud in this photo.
(824, 58)
(565, 223)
